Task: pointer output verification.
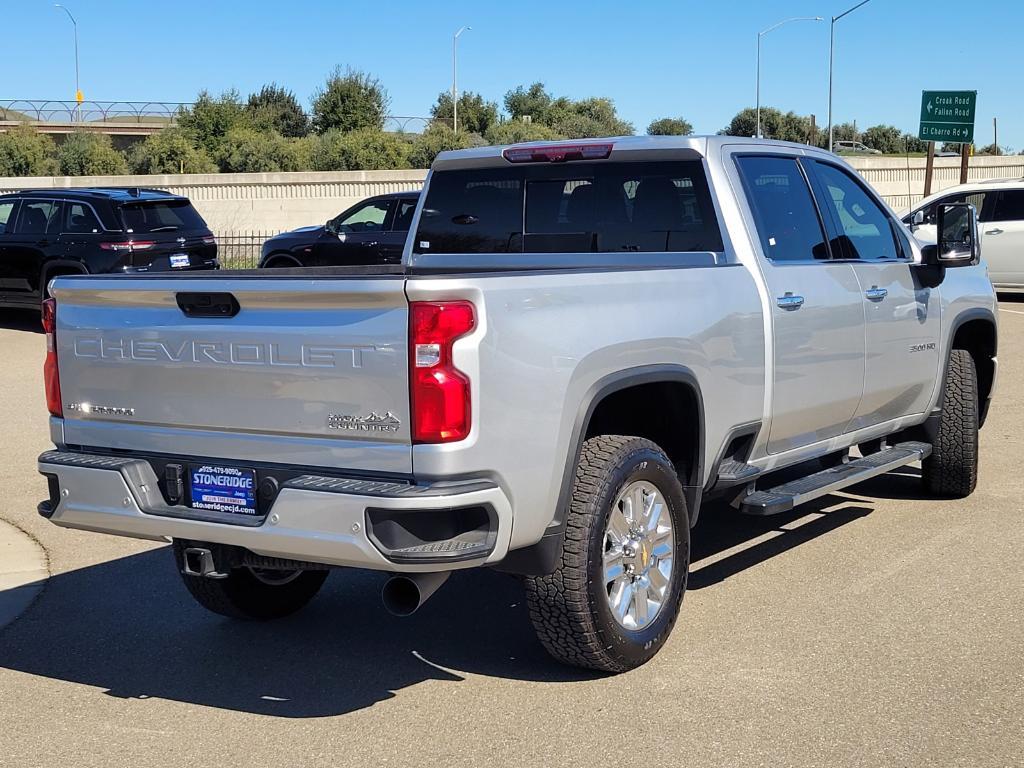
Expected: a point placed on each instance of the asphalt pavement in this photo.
(876, 628)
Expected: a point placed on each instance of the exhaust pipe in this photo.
(404, 594)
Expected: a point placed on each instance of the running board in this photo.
(785, 497)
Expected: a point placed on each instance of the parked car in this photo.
(854, 148)
(372, 231)
(585, 342)
(1000, 207)
(49, 232)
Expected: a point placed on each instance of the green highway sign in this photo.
(947, 116)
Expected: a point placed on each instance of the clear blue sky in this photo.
(654, 58)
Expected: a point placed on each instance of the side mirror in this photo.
(918, 218)
(329, 226)
(957, 233)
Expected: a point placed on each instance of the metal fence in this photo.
(241, 250)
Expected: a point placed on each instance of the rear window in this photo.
(598, 207)
(161, 216)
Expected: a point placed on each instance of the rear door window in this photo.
(786, 218)
(403, 215)
(80, 218)
(38, 217)
(1009, 205)
(161, 216)
(7, 215)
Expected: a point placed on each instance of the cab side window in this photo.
(366, 218)
(863, 228)
(1009, 205)
(931, 213)
(38, 217)
(784, 212)
(80, 219)
(6, 215)
(403, 215)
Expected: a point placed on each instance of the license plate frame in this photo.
(223, 489)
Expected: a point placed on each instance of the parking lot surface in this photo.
(877, 628)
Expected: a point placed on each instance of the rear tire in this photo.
(249, 593)
(577, 611)
(952, 469)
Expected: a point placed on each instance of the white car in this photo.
(855, 148)
(1000, 206)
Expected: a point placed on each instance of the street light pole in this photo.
(455, 78)
(78, 90)
(831, 48)
(761, 34)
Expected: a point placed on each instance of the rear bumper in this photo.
(336, 521)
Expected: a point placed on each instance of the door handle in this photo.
(874, 293)
(996, 231)
(790, 302)
(371, 244)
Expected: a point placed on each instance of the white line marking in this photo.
(1011, 311)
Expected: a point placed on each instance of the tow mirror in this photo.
(957, 233)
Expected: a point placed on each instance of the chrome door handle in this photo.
(790, 302)
(995, 231)
(874, 293)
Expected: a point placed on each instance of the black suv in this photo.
(50, 232)
(372, 231)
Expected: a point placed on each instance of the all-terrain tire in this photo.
(952, 469)
(569, 608)
(244, 595)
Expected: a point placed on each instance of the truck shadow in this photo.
(20, 320)
(128, 627)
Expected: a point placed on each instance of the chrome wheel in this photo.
(638, 550)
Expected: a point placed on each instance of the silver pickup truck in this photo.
(584, 342)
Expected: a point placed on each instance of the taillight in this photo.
(439, 391)
(557, 153)
(51, 378)
(209, 240)
(128, 245)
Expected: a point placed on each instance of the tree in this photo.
(991, 149)
(247, 150)
(887, 139)
(350, 101)
(670, 126)
(26, 152)
(366, 149)
(169, 151)
(913, 144)
(475, 114)
(533, 103)
(436, 139)
(90, 154)
(276, 108)
(517, 131)
(775, 124)
(210, 119)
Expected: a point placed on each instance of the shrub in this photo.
(90, 154)
(246, 150)
(26, 152)
(475, 114)
(169, 151)
(516, 131)
(211, 118)
(362, 150)
(887, 139)
(350, 101)
(436, 139)
(670, 126)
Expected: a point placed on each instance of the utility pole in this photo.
(455, 78)
(831, 49)
(761, 34)
(78, 90)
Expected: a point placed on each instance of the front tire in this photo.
(251, 593)
(615, 595)
(952, 469)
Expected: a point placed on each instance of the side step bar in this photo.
(785, 497)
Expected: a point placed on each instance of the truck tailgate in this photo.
(311, 373)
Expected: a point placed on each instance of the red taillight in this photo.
(128, 245)
(439, 391)
(559, 153)
(51, 378)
